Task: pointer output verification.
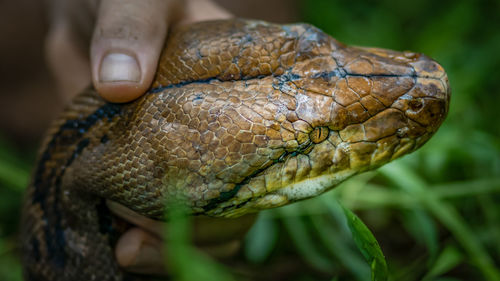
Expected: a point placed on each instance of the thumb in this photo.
(126, 44)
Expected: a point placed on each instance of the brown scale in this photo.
(242, 116)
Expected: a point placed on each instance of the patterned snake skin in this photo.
(242, 116)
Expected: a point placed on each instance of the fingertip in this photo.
(122, 75)
(127, 247)
(120, 92)
(139, 252)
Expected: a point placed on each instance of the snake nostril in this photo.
(415, 105)
(402, 132)
(319, 134)
(411, 55)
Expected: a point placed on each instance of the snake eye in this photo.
(319, 134)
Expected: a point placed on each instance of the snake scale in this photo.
(242, 116)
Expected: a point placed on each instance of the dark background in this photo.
(435, 213)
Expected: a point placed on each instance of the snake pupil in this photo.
(319, 134)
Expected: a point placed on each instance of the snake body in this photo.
(242, 116)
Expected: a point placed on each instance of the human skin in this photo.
(115, 45)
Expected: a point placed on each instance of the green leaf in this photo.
(368, 246)
(449, 258)
(261, 239)
(333, 242)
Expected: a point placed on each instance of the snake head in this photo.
(343, 110)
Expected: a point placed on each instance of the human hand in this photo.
(115, 44)
(140, 249)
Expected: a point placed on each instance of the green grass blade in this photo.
(468, 188)
(422, 227)
(449, 258)
(261, 239)
(184, 261)
(305, 243)
(368, 246)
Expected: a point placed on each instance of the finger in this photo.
(153, 226)
(206, 230)
(126, 45)
(223, 250)
(214, 231)
(140, 252)
(201, 10)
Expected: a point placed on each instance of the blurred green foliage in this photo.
(435, 213)
(14, 176)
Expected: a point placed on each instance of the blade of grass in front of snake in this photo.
(261, 239)
(368, 246)
(303, 240)
(184, 261)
